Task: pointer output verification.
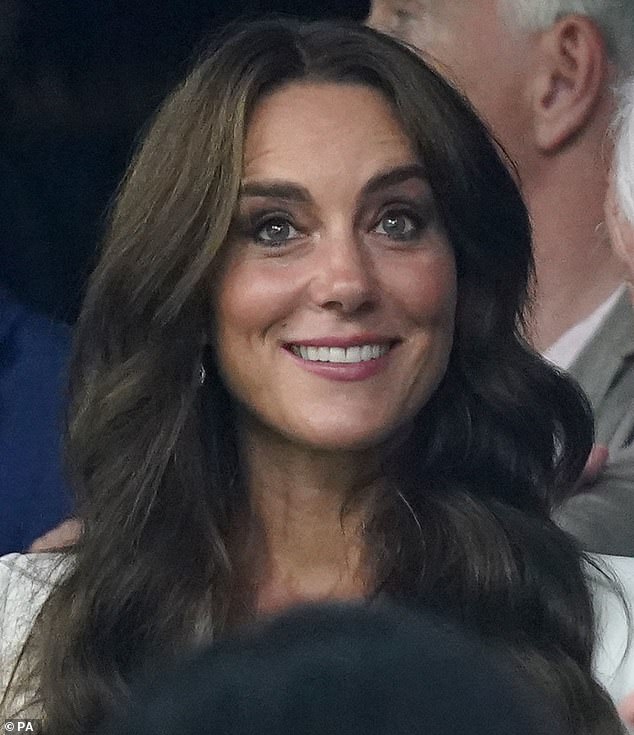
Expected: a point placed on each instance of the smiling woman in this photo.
(339, 284)
(319, 226)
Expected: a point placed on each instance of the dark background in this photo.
(78, 80)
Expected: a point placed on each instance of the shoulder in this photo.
(612, 584)
(605, 370)
(601, 515)
(35, 350)
(31, 329)
(26, 581)
(25, 575)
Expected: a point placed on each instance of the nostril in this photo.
(349, 305)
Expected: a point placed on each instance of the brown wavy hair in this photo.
(153, 455)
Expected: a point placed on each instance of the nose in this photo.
(344, 278)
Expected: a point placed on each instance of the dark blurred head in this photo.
(339, 669)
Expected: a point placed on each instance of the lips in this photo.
(340, 355)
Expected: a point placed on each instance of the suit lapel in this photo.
(605, 371)
(609, 352)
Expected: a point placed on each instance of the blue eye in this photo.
(276, 231)
(398, 226)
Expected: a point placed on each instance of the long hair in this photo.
(464, 524)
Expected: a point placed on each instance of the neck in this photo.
(307, 513)
(576, 270)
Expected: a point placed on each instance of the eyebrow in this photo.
(289, 191)
(275, 190)
(394, 176)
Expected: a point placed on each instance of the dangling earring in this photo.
(202, 374)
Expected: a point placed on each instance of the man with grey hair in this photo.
(611, 496)
(606, 509)
(542, 74)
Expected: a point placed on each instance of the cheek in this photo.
(251, 298)
(428, 292)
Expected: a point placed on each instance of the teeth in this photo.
(359, 353)
(353, 354)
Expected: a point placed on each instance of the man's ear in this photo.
(570, 76)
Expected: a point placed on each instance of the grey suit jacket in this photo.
(601, 516)
(605, 371)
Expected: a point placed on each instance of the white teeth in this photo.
(359, 353)
(324, 354)
(353, 354)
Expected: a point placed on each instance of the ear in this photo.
(571, 72)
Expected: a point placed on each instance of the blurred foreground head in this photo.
(340, 669)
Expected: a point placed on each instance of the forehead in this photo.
(324, 128)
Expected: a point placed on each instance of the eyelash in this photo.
(402, 16)
(419, 222)
(282, 219)
(253, 225)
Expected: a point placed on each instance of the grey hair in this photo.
(623, 169)
(615, 18)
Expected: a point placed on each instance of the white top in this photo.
(564, 351)
(25, 582)
(27, 579)
(614, 657)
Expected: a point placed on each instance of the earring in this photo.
(202, 374)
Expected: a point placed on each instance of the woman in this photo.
(299, 375)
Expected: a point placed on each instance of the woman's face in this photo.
(334, 307)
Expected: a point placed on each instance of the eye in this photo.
(402, 16)
(275, 231)
(399, 225)
(401, 20)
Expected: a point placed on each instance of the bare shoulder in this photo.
(26, 580)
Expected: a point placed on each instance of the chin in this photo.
(348, 439)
